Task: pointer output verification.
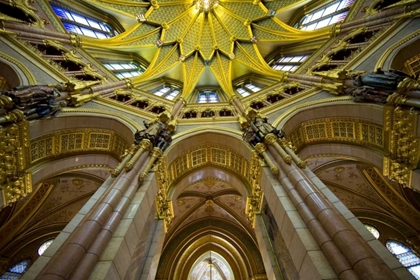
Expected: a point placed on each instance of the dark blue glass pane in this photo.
(20, 267)
(60, 12)
(71, 27)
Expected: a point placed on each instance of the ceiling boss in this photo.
(206, 5)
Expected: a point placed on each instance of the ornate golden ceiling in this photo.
(196, 47)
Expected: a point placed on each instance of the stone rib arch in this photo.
(242, 252)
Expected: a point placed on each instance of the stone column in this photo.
(176, 110)
(84, 246)
(349, 255)
(382, 18)
(29, 32)
(239, 107)
(154, 250)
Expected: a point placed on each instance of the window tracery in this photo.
(44, 246)
(17, 270)
(288, 63)
(124, 70)
(207, 96)
(83, 25)
(331, 13)
(247, 89)
(373, 230)
(406, 256)
(169, 92)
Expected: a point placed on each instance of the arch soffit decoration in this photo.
(324, 117)
(211, 141)
(389, 57)
(370, 196)
(25, 76)
(95, 135)
(335, 109)
(57, 199)
(215, 134)
(74, 118)
(219, 235)
(208, 172)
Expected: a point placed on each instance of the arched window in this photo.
(125, 70)
(326, 15)
(247, 89)
(44, 246)
(211, 265)
(406, 257)
(207, 96)
(17, 270)
(288, 63)
(373, 230)
(169, 92)
(83, 25)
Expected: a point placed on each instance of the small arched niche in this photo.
(8, 75)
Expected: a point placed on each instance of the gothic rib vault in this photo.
(207, 48)
(213, 192)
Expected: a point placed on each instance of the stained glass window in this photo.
(83, 25)
(16, 271)
(124, 70)
(373, 230)
(288, 63)
(247, 89)
(211, 266)
(406, 256)
(44, 246)
(326, 15)
(169, 92)
(207, 97)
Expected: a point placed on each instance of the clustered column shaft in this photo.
(83, 248)
(349, 255)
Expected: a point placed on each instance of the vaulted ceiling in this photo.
(202, 48)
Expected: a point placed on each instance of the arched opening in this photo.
(10, 77)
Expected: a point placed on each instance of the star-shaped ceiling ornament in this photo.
(202, 42)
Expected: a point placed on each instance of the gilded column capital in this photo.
(75, 40)
(146, 144)
(396, 99)
(156, 153)
(142, 176)
(6, 102)
(129, 83)
(14, 116)
(274, 169)
(260, 148)
(270, 138)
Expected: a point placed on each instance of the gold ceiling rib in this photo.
(170, 32)
(191, 66)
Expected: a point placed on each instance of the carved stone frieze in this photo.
(340, 130)
(403, 145)
(61, 143)
(14, 144)
(164, 206)
(254, 201)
